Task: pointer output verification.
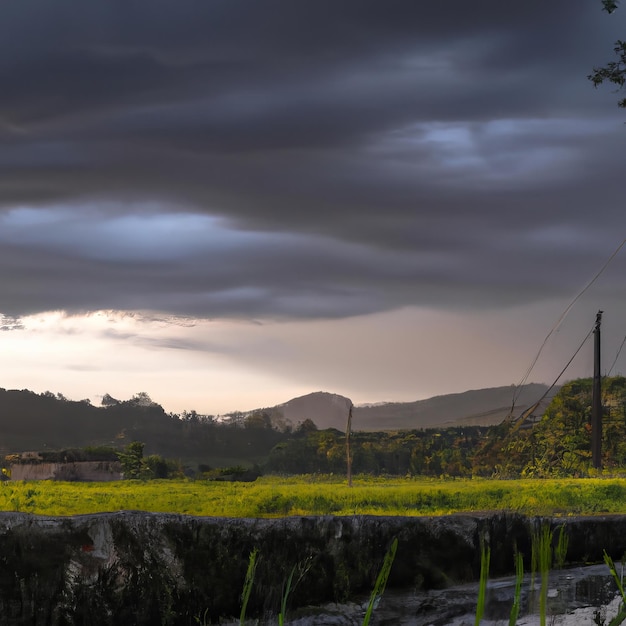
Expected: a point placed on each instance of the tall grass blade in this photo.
(545, 561)
(611, 565)
(485, 558)
(560, 551)
(534, 558)
(301, 568)
(247, 585)
(283, 603)
(203, 621)
(519, 579)
(381, 581)
(620, 618)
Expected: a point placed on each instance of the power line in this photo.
(517, 391)
(617, 356)
(556, 380)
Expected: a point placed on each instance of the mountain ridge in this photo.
(475, 407)
(30, 421)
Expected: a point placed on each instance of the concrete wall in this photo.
(79, 471)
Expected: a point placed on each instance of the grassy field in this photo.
(308, 495)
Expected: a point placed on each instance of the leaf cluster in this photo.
(614, 71)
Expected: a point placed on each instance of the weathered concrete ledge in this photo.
(145, 568)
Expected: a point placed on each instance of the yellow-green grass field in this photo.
(315, 495)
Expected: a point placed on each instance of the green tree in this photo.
(155, 466)
(259, 420)
(308, 426)
(610, 5)
(132, 460)
(614, 71)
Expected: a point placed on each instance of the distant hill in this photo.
(481, 407)
(31, 421)
(478, 407)
(327, 410)
(45, 422)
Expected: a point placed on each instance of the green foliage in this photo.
(557, 446)
(155, 466)
(543, 539)
(247, 585)
(259, 420)
(560, 551)
(49, 422)
(618, 581)
(417, 452)
(519, 579)
(234, 473)
(560, 443)
(285, 595)
(620, 618)
(72, 455)
(609, 5)
(319, 495)
(485, 557)
(132, 460)
(301, 570)
(307, 426)
(136, 466)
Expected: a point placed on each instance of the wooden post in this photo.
(348, 455)
(596, 401)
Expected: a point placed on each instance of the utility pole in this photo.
(596, 399)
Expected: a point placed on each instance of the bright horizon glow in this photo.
(215, 367)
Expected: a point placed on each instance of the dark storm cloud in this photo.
(360, 156)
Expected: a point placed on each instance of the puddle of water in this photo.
(575, 597)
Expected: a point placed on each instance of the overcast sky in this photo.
(227, 204)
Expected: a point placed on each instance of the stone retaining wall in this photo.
(141, 568)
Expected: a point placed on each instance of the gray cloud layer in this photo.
(280, 159)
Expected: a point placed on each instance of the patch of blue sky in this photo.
(137, 236)
(484, 151)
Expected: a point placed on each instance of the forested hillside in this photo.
(560, 443)
(556, 445)
(415, 452)
(43, 422)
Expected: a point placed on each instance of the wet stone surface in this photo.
(575, 596)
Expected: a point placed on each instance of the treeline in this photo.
(416, 452)
(248, 444)
(48, 423)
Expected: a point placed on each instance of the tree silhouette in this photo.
(614, 71)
